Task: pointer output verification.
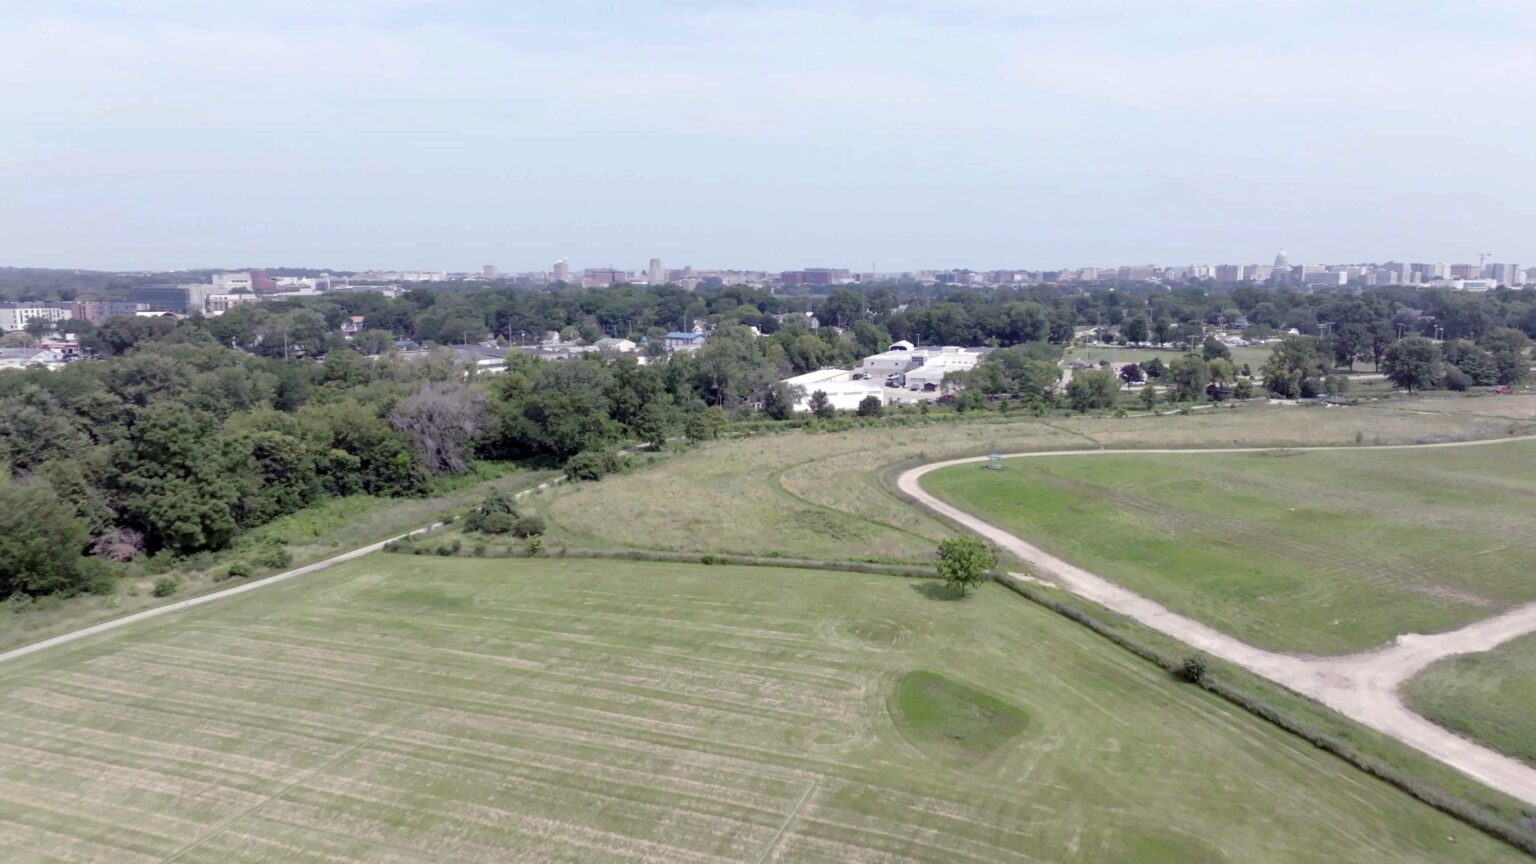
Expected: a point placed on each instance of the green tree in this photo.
(654, 423)
(1508, 347)
(964, 561)
(1093, 389)
(1149, 397)
(1187, 377)
(1413, 363)
(779, 402)
(41, 539)
(1478, 366)
(1296, 368)
(871, 406)
(821, 405)
(38, 327)
(172, 480)
(1154, 368)
(696, 427)
(1137, 330)
(1213, 348)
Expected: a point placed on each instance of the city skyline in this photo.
(151, 133)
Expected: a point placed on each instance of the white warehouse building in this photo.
(842, 390)
(906, 365)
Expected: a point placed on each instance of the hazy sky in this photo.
(983, 133)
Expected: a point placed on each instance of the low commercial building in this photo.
(97, 311)
(844, 392)
(218, 304)
(905, 365)
(679, 341)
(27, 358)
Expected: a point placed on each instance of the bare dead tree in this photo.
(118, 544)
(442, 418)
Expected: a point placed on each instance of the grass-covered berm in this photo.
(423, 709)
(824, 496)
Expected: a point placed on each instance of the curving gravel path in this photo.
(1363, 687)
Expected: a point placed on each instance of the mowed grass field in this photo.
(1318, 552)
(408, 709)
(1488, 697)
(823, 496)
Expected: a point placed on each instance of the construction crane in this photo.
(1482, 258)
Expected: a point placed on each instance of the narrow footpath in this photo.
(1363, 687)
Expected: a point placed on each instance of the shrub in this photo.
(535, 546)
(499, 503)
(1455, 379)
(98, 577)
(165, 586)
(445, 550)
(497, 523)
(237, 570)
(528, 526)
(457, 545)
(1193, 669)
(585, 466)
(479, 550)
(275, 557)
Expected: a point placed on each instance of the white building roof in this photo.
(820, 376)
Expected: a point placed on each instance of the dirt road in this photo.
(1363, 687)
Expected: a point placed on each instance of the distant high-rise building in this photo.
(562, 271)
(602, 277)
(1282, 260)
(230, 282)
(180, 299)
(1466, 271)
(97, 311)
(489, 271)
(1507, 274)
(655, 275)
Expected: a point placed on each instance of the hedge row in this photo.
(407, 547)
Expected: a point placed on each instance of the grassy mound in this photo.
(935, 710)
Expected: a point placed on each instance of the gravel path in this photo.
(1363, 687)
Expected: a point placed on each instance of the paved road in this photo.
(1363, 687)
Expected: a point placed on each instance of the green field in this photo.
(823, 496)
(1254, 356)
(410, 709)
(1488, 697)
(1320, 552)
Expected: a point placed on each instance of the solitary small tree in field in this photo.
(964, 561)
(871, 406)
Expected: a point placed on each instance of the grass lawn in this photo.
(1320, 552)
(404, 709)
(1488, 697)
